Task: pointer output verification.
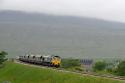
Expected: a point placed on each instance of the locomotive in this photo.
(45, 60)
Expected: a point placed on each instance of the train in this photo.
(45, 60)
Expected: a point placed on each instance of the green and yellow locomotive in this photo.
(46, 60)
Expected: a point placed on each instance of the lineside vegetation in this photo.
(17, 73)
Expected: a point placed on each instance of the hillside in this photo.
(17, 73)
(66, 36)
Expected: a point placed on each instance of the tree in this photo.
(120, 70)
(99, 66)
(3, 56)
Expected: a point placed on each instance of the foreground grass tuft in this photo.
(17, 73)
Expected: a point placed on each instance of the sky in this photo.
(103, 9)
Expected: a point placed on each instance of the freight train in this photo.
(45, 60)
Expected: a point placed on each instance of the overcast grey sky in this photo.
(104, 9)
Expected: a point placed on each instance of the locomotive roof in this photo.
(38, 55)
(31, 55)
(47, 56)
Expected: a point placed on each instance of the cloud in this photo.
(1, 2)
(105, 9)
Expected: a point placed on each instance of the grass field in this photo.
(17, 73)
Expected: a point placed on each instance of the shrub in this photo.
(79, 69)
(109, 70)
(99, 66)
(120, 70)
(3, 56)
(68, 63)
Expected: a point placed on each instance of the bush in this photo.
(120, 70)
(99, 66)
(68, 63)
(79, 69)
(3, 56)
(109, 70)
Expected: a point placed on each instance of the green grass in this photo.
(17, 73)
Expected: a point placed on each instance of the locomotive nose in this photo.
(56, 61)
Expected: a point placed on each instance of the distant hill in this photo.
(67, 36)
(24, 17)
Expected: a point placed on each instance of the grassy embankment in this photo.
(17, 73)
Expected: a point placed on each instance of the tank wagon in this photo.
(46, 60)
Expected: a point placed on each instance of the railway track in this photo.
(76, 72)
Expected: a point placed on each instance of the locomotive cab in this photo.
(56, 60)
